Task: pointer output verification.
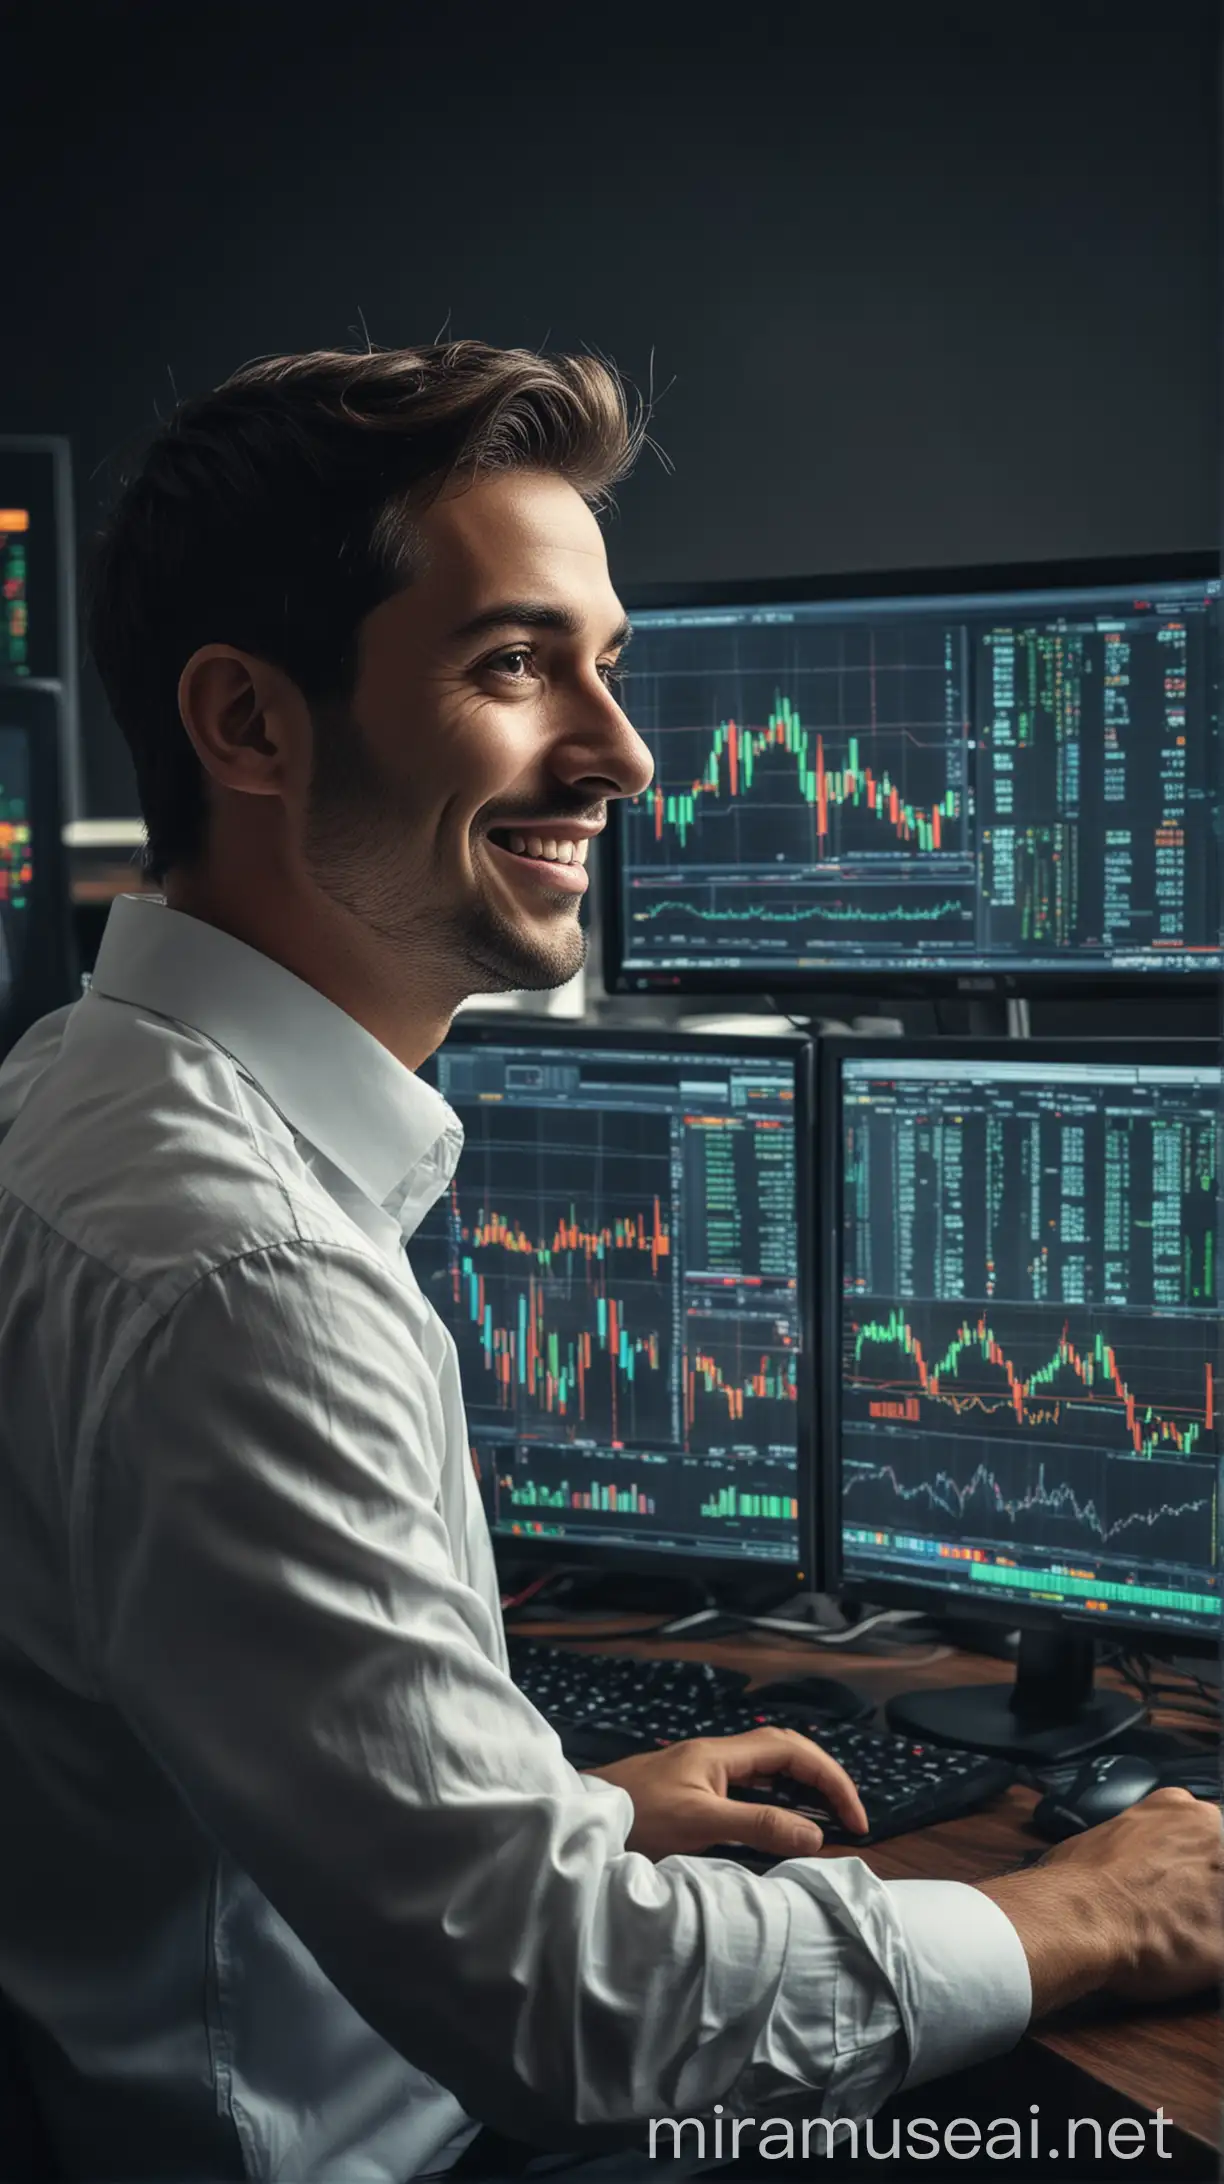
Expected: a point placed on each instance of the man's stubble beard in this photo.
(497, 959)
(354, 854)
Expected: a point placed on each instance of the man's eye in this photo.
(518, 664)
(510, 663)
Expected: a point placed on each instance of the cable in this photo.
(1137, 1667)
(836, 1637)
(797, 1023)
(780, 1625)
(510, 1601)
(1183, 1693)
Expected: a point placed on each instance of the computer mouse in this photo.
(1101, 1790)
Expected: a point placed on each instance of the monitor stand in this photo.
(1050, 1713)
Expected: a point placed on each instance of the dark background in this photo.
(916, 285)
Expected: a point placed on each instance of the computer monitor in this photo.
(999, 780)
(1019, 1352)
(622, 1260)
(38, 640)
(37, 966)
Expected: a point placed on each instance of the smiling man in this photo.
(423, 836)
(294, 1883)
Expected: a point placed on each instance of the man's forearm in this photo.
(1072, 1938)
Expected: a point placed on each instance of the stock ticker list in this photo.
(981, 784)
(1029, 1315)
(14, 592)
(617, 1261)
(16, 855)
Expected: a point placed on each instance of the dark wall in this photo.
(934, 285)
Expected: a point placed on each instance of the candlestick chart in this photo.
(617, 1260)
(559, 1297)
(741, 1381)
(1018, 1427)
(808, 783)
(1037, 1373)
(836, 791)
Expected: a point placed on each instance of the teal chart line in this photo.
(901, 914)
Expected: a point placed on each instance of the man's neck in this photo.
(328, 949)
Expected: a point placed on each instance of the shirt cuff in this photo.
(970, 1995)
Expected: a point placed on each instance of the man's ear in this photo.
(245, 720)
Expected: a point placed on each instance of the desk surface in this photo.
(94, 880)
(1170, 2058)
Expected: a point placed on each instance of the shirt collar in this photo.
(334, 1083)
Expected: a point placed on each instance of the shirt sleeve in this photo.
(953, 1968)
(268, 1593)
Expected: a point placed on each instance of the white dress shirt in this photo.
(294, 1879)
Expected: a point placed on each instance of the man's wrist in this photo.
(1070, 1930)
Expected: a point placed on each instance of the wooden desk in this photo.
(1170, 2058)
(100, 883)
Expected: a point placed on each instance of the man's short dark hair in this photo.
(275, 513)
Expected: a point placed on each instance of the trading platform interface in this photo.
(618, 1261)
(16, 855)
(1028, 1327)
(14, 592)
(1008, 783)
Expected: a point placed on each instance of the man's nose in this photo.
(605, 754)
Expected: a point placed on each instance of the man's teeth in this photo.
(549, 848)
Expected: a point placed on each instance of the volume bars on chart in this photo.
(778, 829)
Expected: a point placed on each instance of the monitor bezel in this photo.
(49, 976)
(898, 1592)
(1197, 567)
(807, 1570)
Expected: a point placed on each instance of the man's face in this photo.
(453, 807)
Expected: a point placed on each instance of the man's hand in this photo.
(680, 1796)
(1133, 1908)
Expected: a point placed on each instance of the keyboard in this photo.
(607, 1706)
